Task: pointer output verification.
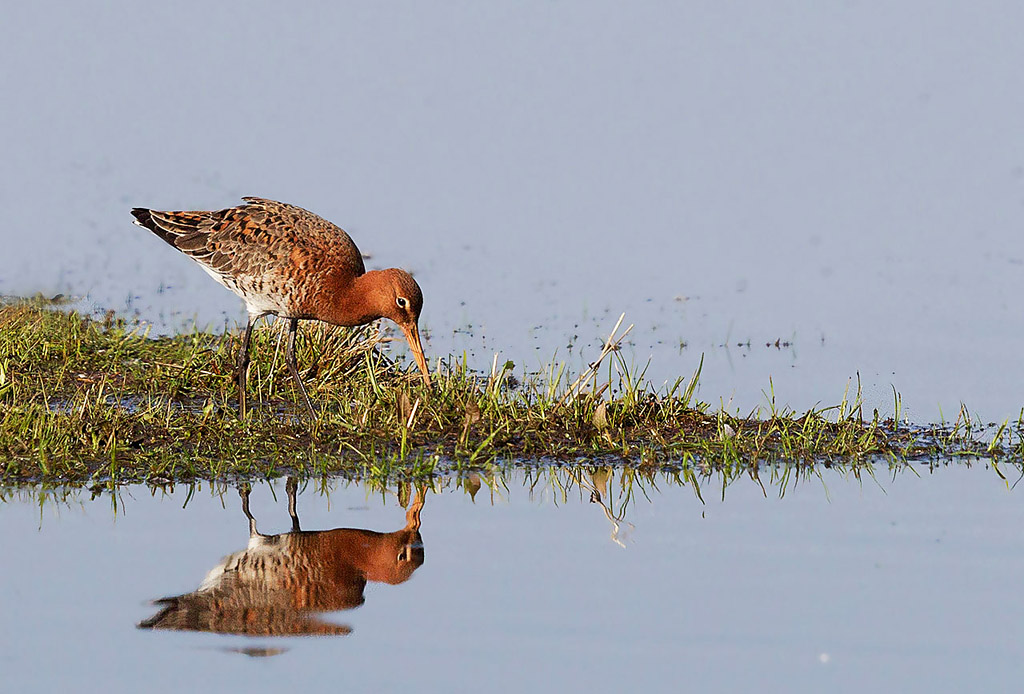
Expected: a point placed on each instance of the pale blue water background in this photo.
(845, 176)
(906, 583)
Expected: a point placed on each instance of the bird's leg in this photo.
(293, 327)
(243, 365)
(292, 486)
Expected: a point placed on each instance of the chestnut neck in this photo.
(356, 301)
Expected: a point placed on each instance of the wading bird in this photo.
(286, 261)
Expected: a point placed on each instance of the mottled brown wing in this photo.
(254, 239)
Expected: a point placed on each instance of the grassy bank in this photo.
(85, 400)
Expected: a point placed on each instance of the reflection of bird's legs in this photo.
(292, 486)
(243, 491)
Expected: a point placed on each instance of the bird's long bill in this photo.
(412, 334)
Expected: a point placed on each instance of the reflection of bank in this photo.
(279, 584)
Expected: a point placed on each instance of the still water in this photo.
(843, 178)
(804, 194)
(556, 580)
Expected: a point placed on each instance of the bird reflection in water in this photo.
(279, 584)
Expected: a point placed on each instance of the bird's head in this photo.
(402, 301)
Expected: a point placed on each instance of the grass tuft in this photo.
(86, 401)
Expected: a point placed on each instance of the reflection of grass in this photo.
(83, 400)
(615, 489)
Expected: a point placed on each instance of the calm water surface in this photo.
(845, 177)
(907, 581)
(845, 180)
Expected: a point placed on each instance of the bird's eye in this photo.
(401, 301)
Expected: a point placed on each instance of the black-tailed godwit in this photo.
(286, 261)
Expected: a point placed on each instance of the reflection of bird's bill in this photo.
(412, 334)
